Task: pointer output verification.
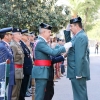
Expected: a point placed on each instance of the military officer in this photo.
(27, 65)
(6, 53)
(31, 81)
(30, 44)
(42, 52)
(18, 62)
(78, 59)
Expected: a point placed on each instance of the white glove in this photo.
(68, 27)
(67, 46)
(78, 77)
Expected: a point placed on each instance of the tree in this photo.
(30, 13)
(87, 9)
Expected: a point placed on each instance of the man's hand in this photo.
(68, 27)
(64, 55)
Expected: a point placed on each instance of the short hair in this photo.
(40, 30)
(79, 24)
(2, 36)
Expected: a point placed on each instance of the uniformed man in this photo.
(6, 53)
(27, 66)
(18, 62)
(78, 59)
(42, 61)
(31, 81)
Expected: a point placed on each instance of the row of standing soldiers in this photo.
(15, 45)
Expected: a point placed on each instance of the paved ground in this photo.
(63, 90)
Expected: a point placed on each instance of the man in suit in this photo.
(18, 62)
(42, 62)
(78, 70)
(27, 65)
(6, 53)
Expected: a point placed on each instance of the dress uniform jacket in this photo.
(27, 69)
(27, 66)
(42, 52)
(18, 63)
(6, 53)
(78, 55)
(18, 58)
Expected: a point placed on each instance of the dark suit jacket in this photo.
(27, 66)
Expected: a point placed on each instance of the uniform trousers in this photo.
(16, 89)
(79, 89)
(49, 90)
(40, 87)
(24, 85)
(10, 92)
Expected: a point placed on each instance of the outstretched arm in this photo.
(57, 59)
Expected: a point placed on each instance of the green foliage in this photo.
(30, 13)
(87, 9)
(94, 33)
